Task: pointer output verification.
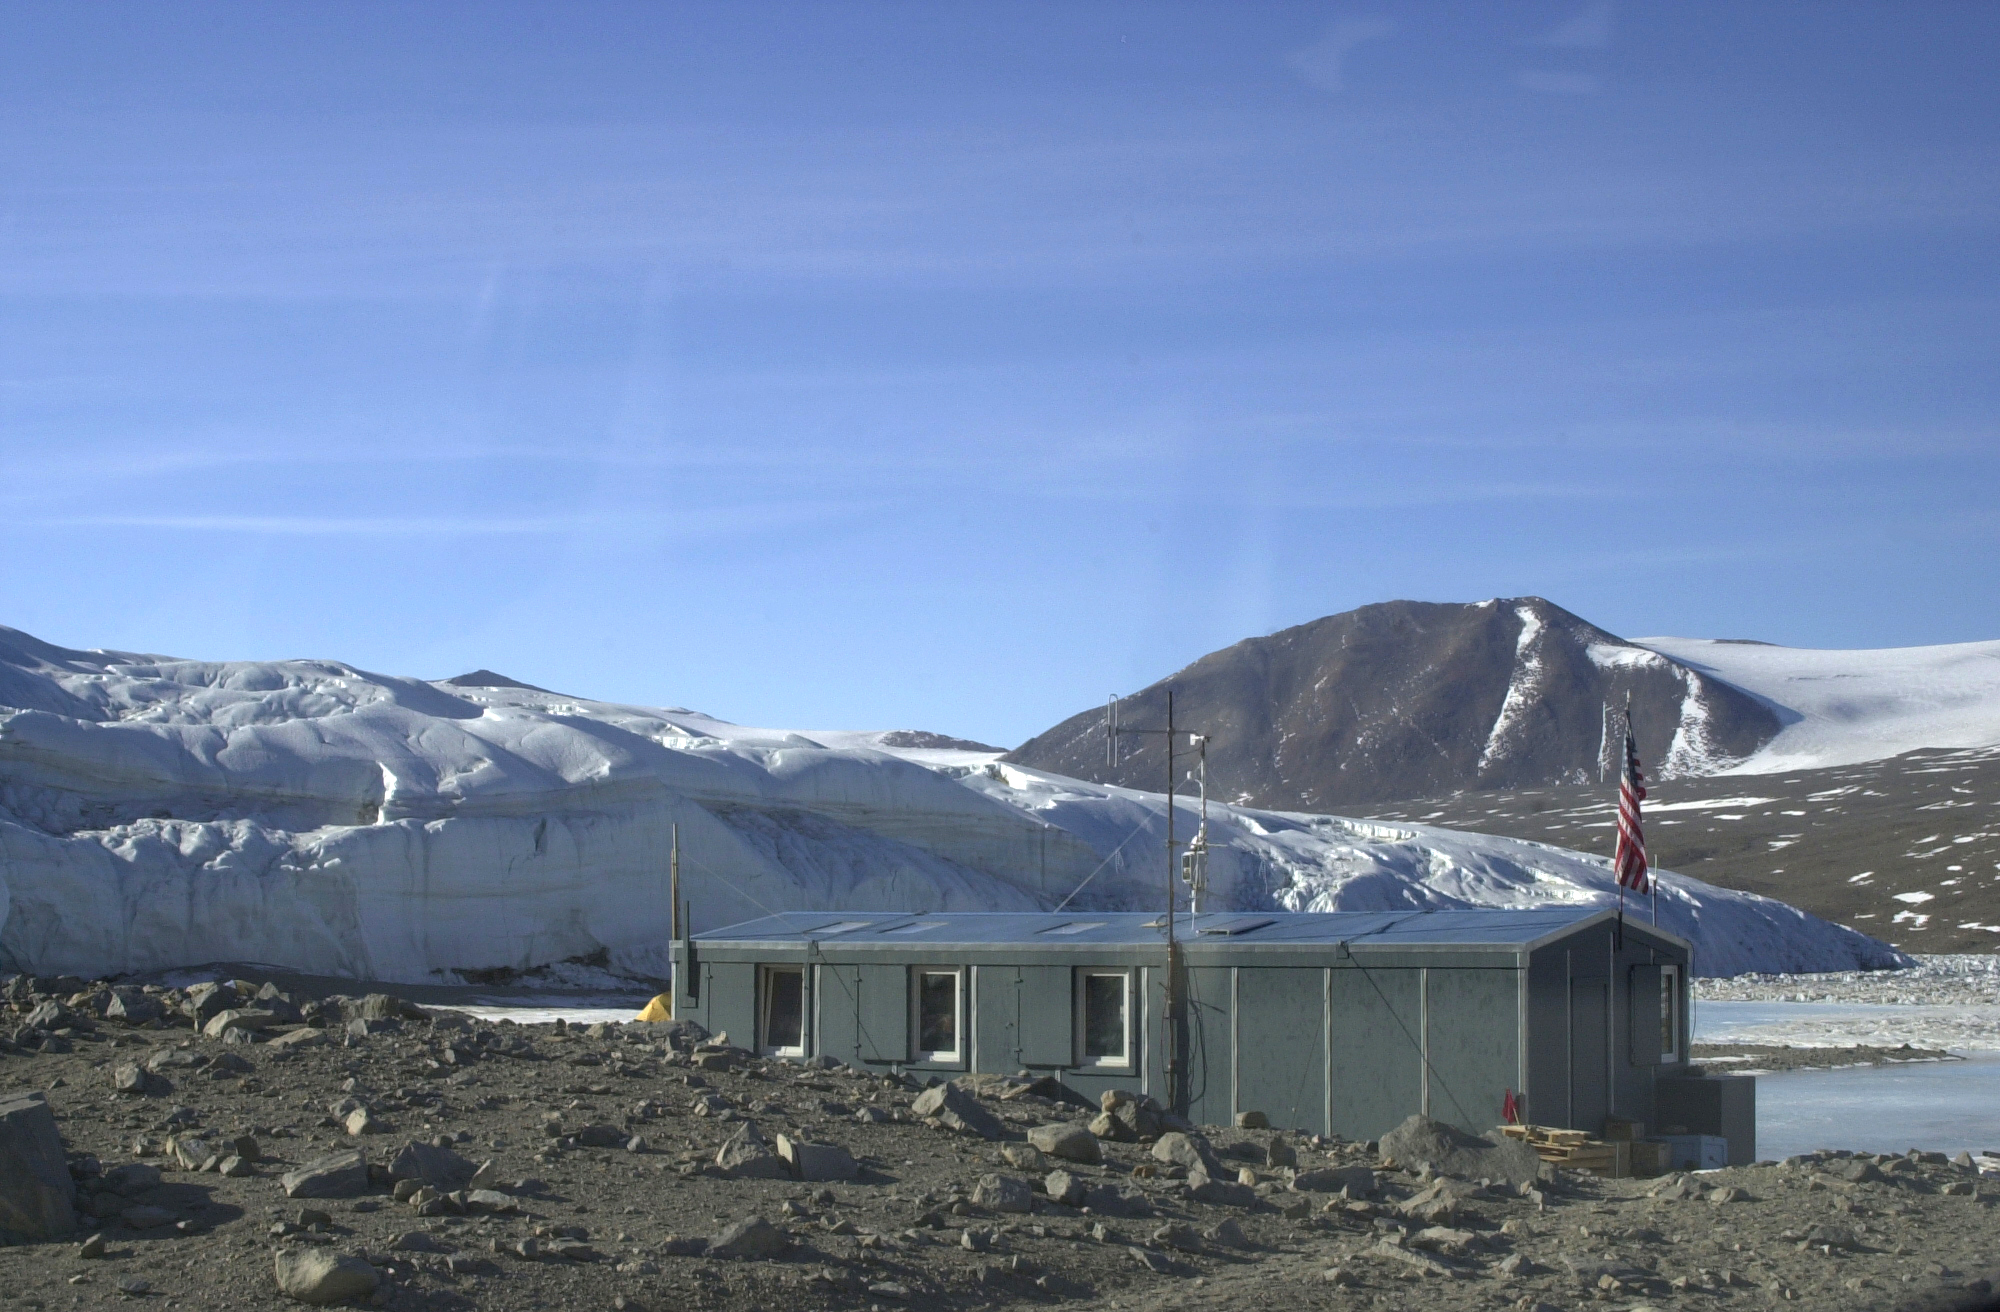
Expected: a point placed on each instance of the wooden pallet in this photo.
(1575, 1150)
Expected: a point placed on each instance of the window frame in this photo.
(1127, 1061)
(766, 973)
(1671, 1009)
(920, 1056)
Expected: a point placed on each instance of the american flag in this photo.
(1630, 857)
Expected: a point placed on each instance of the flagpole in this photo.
(1624, 767)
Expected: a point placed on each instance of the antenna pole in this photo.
(1173, 1016)
(674, 882)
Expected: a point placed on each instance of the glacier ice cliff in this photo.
(157, 813)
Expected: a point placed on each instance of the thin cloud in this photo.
(1324, 62)
(1589, 30)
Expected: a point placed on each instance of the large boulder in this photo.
(1191, 1151)
(951, 1106)
(313, 1275)
(1003, 1193)
(751, 1237)
(440, 1168)
(336, 1175)
(746, 1156)
(239, 1018)
(1067, 1141)
(37, 1196)
(133, 1006)
(1420, 1141)
(1359, 1181)
(817, 1161)
(1128, 1117)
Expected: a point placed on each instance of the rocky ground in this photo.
(625, 1173)
(1759, 1057)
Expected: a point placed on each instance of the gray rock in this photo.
(440, 1168)
(1227, 1233)
(133, 1006)
(50, 1015)
(1156, 1262)
(489, 1200)
(817, 1161)
(745, 1156)
(37, 1195)
(1004, 1193)
(248, 1018)
(1420, 1141)
(205, 1000)
(92, 1247)
(132, 1178)
(1128, 1117)
(1858, 1170)
(1065, 1188)
(127, 1077)
(1279, 1155)
(234, 1166)
(161, 1060)
(1024, 1156)
(360, 1121)
(1070, 1142)
(293, 1040)
(751, 1237)
(381, 1006)
(601, 1136)
(316, 1276)
(954, 1108)
(1832, 1236)
(1219, 1193)
(1252, 1121)
(1180, 1235)
(336, 1175)
(1188, 1150)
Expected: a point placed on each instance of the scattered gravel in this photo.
(565, 1212)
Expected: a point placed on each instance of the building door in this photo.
(1589, 1014)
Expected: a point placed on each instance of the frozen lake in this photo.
(1942, 1106)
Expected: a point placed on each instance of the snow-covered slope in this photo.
(1844, 707)
(158, 813)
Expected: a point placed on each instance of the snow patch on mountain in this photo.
(158, 813)
(1845, 707)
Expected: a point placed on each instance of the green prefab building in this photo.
(1339, 1023)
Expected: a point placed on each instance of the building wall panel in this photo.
(1046, 1010)
(1474, 1043)
(1281, 1046)
(1374, 1030)
(882, 1016)
(729, 990)
(1210, 1095)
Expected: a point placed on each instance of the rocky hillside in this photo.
(1417, 699)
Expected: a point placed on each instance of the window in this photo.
(1670, 1013)
(938, 1018)
(781, 1016)
(1103, 1018)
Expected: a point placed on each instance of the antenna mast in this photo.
(1194, 862)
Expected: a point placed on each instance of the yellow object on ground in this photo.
(660, 1008)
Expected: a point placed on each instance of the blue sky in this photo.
(846, 365)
